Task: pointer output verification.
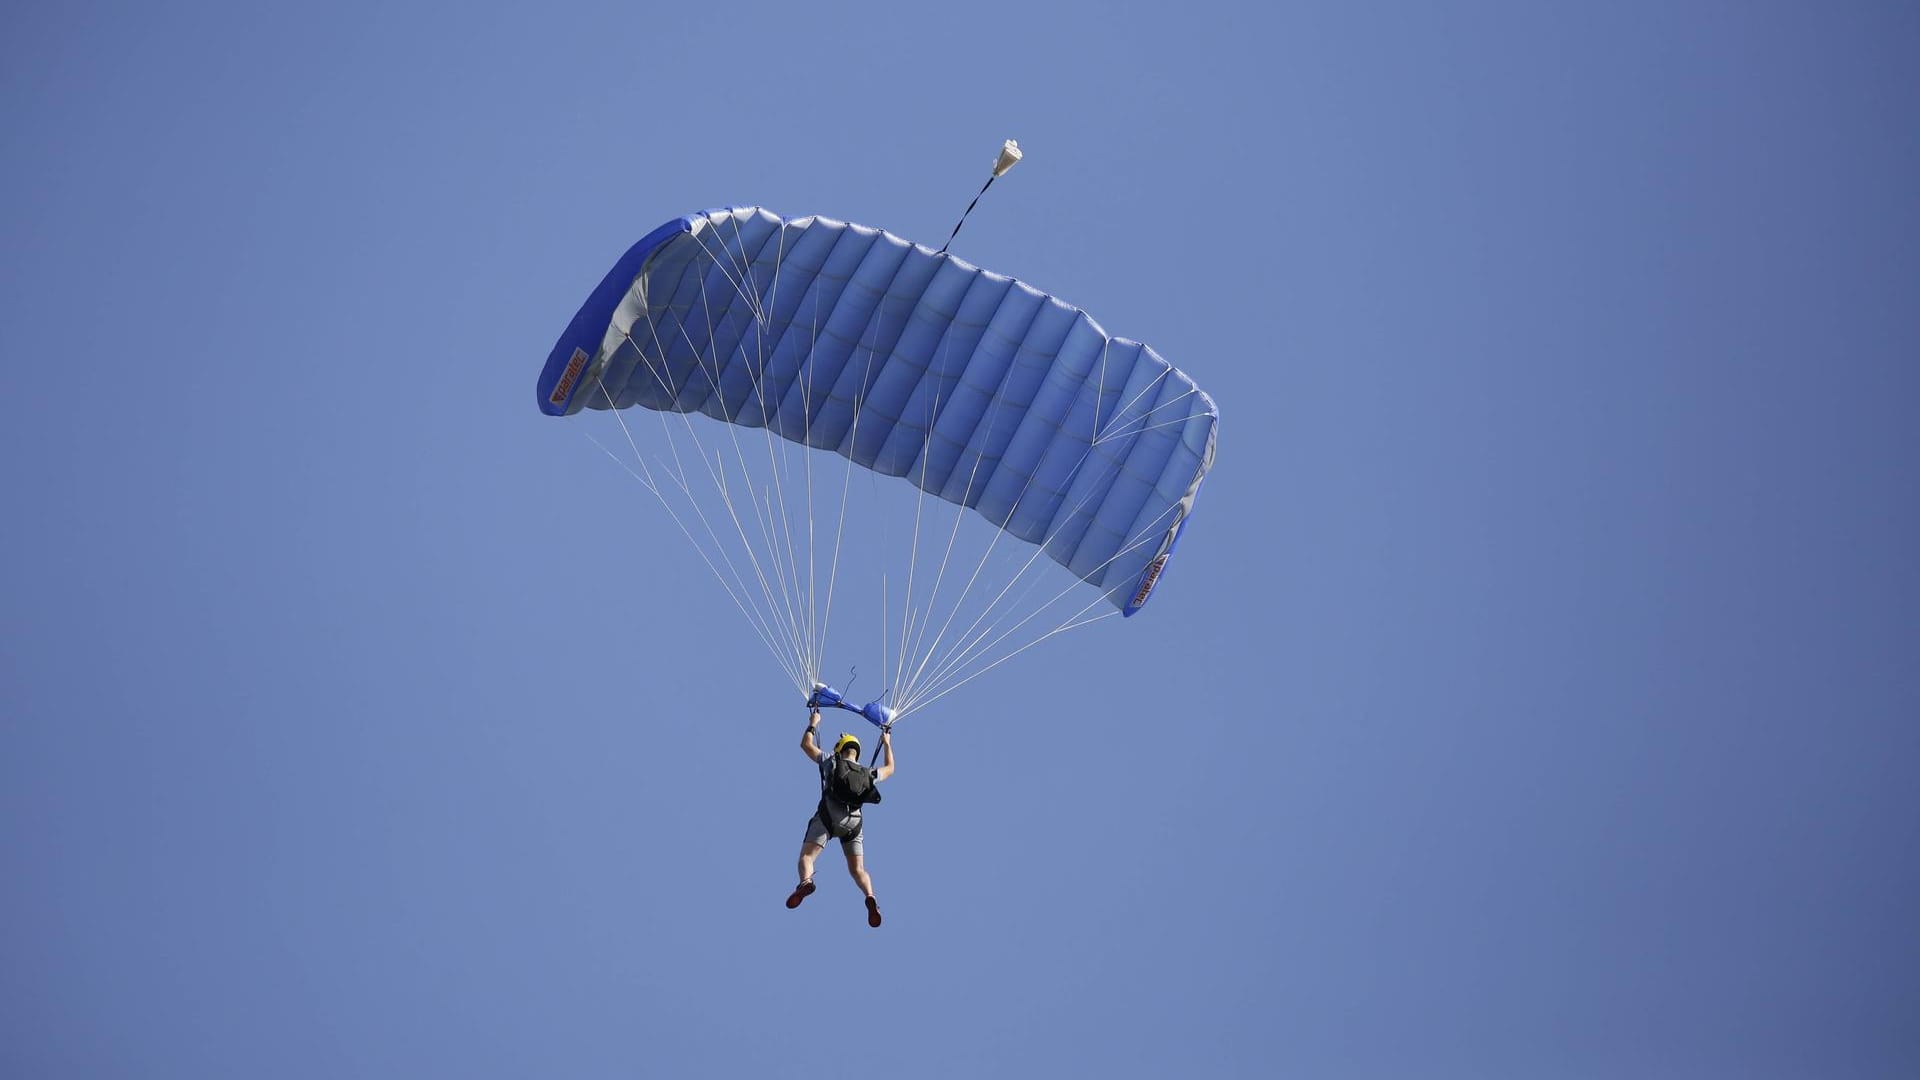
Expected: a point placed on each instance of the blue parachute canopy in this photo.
(974, 386)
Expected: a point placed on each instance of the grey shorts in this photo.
(817, 833)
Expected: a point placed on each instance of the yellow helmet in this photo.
(845, 740)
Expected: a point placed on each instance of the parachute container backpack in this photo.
(1030, 471)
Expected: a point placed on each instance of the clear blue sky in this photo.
(1544, 662)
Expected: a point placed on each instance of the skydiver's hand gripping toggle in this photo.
(875, 713)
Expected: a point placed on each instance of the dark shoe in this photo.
(800, 892)
(873, 911)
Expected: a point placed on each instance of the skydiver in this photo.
(838, 814)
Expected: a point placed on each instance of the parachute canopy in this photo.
(971, 385)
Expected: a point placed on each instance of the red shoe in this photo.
(873, 911)
(801, 892)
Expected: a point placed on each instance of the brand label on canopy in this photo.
(1148, 580)
(563, 389)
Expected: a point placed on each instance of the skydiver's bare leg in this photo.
(858, 868)
(805, 888)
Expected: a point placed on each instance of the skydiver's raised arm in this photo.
(886, 757)
(807, 744)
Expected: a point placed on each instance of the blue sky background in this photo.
(1535, 695)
